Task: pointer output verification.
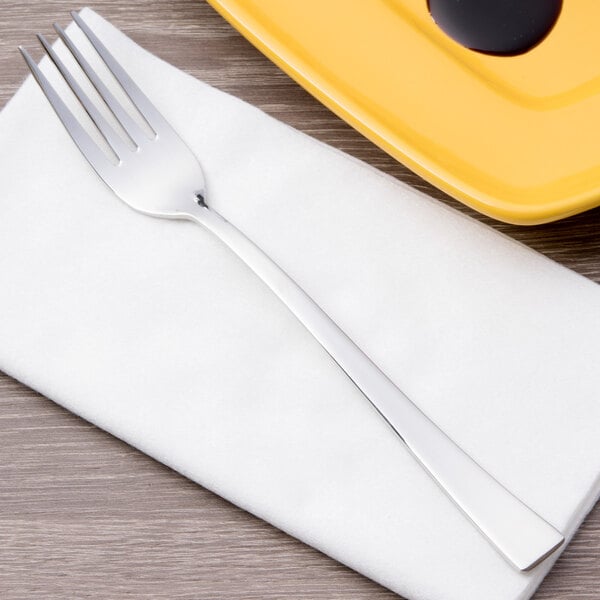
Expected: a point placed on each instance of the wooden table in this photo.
(82, 515)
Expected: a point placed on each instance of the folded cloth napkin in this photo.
(156, 332)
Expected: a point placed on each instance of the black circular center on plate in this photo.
(505, 27)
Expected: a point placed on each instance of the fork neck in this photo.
(201, 200)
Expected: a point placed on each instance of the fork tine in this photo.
(88, 147)
(139, 99)
(133, 130)
(119, 147)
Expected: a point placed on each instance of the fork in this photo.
(158, 175)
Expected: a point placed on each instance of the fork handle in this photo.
(520, 534)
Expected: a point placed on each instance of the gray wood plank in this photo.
(83, 515)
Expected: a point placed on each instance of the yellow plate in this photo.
(516, 138)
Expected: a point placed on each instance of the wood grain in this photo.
(83, 515)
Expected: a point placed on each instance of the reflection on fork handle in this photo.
(517, 532)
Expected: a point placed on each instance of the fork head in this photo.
(153, 170)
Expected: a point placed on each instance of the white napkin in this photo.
(155, 332)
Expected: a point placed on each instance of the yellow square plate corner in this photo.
(516, 138)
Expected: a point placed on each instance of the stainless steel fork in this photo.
(158, 175)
